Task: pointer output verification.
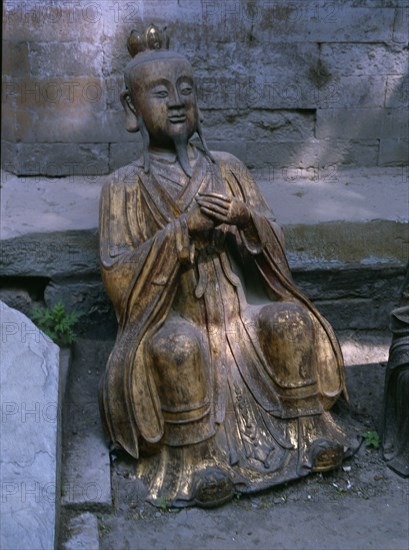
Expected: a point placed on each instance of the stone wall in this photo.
(306, 85)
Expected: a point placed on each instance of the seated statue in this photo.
(396, 410)
(223, 372)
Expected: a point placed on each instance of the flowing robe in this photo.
(155, 273)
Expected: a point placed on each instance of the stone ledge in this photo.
(347, 239)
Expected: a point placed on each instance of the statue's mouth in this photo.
(177, 119)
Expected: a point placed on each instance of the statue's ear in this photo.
(130, 112)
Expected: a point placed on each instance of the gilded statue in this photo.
(223, 372)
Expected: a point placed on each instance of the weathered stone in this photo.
(8, 129)
(122, 155)
(352, 92)
(259, 125)
(278, 22)
(17, 299)
(332, 152)
(358, 313)
(364, 347)
(365, 123)
(395, 122)
(51, 255)
(83, 531)
(84, 296)
(30, 452)
(336, 245)
(397, 93)
(15, 59)
(401, 25)
(393, 152)
(86, 477)
(364, 59)
(65, 59)
(376, 283)
(59, 159)
(45, 21)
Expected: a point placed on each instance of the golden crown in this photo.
(152, 39)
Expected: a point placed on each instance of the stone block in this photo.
(277, 125)
(121, 155)
(270, 22)
(86, 477)
(395, 124)
(58, 93)
(61, 159)
(364, 59)
(352, 92)
(333, 152)
(52, 255)
(42, 21)
(270, 84)
(70, 125)
(334, 245)
(286, 154)
(8, 119)
(401, 25)
(8, 153)
(15, 59)
(357, 282)
(397, 93)
(17, 299)
(30, 452)
(66, 59)
(83, 531)
(358, 313)
(114, 86)
(84, 296)
(393, 152)
(349, 123)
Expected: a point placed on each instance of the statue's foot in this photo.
(212, 488)
(325, 455)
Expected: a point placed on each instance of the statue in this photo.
(395, 438)
(223, 372)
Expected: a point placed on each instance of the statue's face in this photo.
(163, 94)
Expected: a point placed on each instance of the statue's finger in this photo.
(214, 202)
(215, 215)
(216, 196)
(214, 208)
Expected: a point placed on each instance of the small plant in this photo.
(57, 323)
(162, 504)
(372, 439)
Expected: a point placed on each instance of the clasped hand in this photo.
(218, 209)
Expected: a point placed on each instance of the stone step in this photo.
(83, 531)
(86, 477)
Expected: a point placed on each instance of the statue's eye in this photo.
(160, 93)
(186, 90)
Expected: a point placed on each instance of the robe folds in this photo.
(158, 276)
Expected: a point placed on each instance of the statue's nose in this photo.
(175, 100)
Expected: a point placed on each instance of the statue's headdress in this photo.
(151, 45)
(152, 39)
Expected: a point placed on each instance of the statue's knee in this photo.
(287, 320)
(173, 346)
(177, 360)
(286, 334)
